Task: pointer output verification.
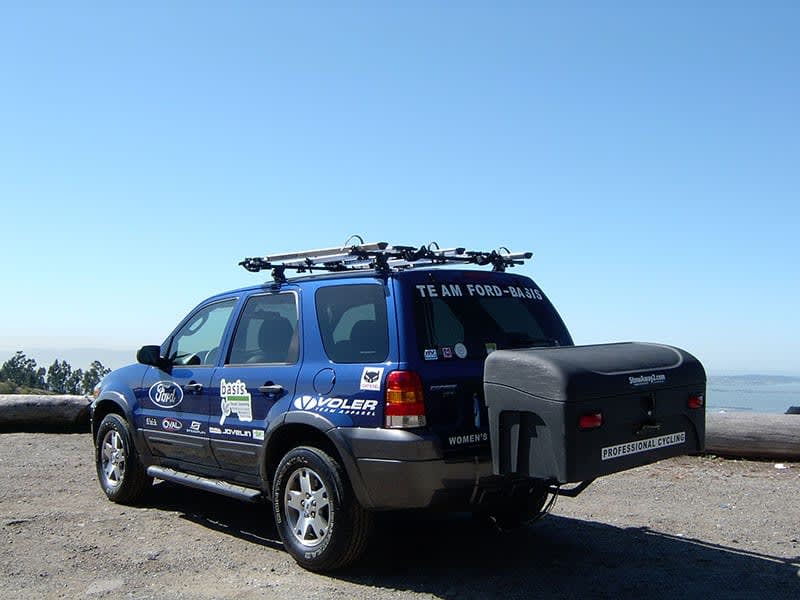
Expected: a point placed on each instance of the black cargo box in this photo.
(646, 394)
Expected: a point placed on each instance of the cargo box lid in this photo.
(571, 373)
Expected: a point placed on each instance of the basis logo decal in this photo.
(344, 406)
(166, 394)
(647, 379)
(371, 378)
(235, 399)
(170, 424)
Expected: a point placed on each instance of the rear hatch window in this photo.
(465, 319)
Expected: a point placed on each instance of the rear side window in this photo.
(267, 331)
(352, 321)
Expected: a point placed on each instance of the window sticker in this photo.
(431, 354)
(490, 347)
(460, 350)
(447, 352)
(445, 290)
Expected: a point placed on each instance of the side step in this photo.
(216, 486)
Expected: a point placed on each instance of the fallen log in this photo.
(28, 412)
(753, 435)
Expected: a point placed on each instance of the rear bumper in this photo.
(397, 469)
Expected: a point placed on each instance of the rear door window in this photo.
(352, 322)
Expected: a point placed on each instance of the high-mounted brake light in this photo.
(405, 403)
(591, 421)
(696, 401)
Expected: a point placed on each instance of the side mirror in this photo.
(151, 355)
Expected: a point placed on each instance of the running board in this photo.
(216, 486)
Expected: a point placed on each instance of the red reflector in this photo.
(592, 421)
(696, 401)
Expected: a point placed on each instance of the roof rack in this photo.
(381, 257)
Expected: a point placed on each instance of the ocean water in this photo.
(752, 393)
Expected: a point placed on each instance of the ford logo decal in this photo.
(166, 394)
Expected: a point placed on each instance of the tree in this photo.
(22, 371)
(74, 383)
(58, 376)
(93, 375)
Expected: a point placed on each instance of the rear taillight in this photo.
(696, 401)
(405, 403)
(590, 421)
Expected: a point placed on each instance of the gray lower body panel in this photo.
(397, 469)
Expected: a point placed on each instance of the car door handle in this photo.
(272, 389)
(193, 387)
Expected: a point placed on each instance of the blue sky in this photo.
(647, 153)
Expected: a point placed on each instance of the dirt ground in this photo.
(689, 527)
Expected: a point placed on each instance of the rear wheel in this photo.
(119, 469)
(319, 519)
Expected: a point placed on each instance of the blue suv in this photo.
(332, 395)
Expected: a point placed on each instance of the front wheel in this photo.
(319, 519)
(119, 469)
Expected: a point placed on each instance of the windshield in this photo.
(470, 320)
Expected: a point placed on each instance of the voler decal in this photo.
(344, 406)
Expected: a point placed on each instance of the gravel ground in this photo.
(687, 527)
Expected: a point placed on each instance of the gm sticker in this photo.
(673, 439)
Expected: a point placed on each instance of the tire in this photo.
(318, 517)
(119, 470)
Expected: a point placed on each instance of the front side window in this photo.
(267, 331)
(353, 324)
(198, 341)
